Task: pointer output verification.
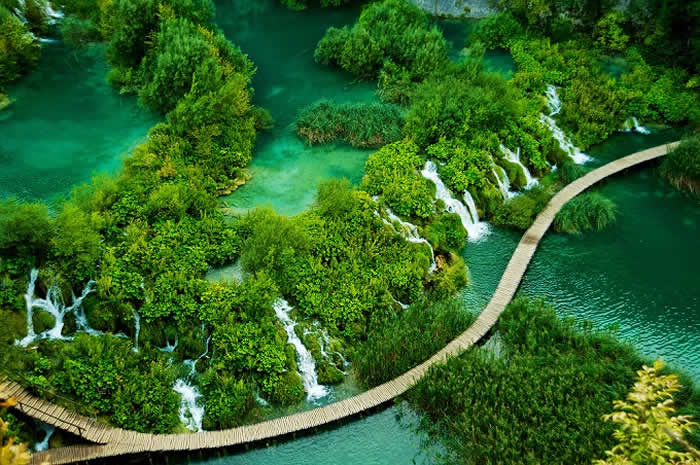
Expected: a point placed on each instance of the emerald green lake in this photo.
(281, 43)
(66, 124)
(638, 274)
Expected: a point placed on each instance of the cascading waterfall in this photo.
(409, 231)
(191, 409)
(471, 206)
(53, 304)
(169, 348)
(137, 329)
(554, 104)
(632, 125)
(503, 183)
(305, 362)
(48, 432)
(475, 229)
(514, 157)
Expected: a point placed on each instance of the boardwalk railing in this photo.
(108, 441)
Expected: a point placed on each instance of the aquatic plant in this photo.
(365, 125)
(540, 399)
(682, 165)
(409, 339)
(587, 212)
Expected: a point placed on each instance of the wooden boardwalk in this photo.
(107, 441)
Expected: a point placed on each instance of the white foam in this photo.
(475, 229)
(305, 362)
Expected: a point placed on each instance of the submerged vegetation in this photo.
(537, 393)
(364, 125)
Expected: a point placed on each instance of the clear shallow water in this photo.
(66, 124)
(281, 43)
(638, 274)
(457, 33)
(382, 438)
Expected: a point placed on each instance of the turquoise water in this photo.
(66, 124)
(638, 274)
(281, 42)
(457, 33)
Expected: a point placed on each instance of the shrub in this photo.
(393, 173)
(511, 401)
(586, 212)
(682, 165)
(365, 125)
(408, 340)
(19, 49)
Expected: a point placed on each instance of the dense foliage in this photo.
(364, 125)
(392, 41)
(537, 394)
(19, 48)
(338, 262)
(682, 165)
(647, 424)
(586, 212)
(416, 334)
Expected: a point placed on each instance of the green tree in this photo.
(647, 425)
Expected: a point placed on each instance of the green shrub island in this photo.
(682, 165)
(364, 125)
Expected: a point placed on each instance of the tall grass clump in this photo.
(408, 340)
(682, 165)
(364, 125)
(539, 400)
(587, 212)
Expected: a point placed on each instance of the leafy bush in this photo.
(365, 125)
(391, 37)
(19, 49)
(586, 212)
(393, 173)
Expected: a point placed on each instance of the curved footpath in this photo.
(109, 441)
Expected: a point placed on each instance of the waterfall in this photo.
(514, 157)
(409, 231)
(476, 230)
(191, 409)
(553, 100)
(137, 329)
(471, 206)
(305, 362)
(503, 183)
(400, 304)
(169, 348)
(632, 125)
(48, 432)
(53, 304)
(554, 105)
